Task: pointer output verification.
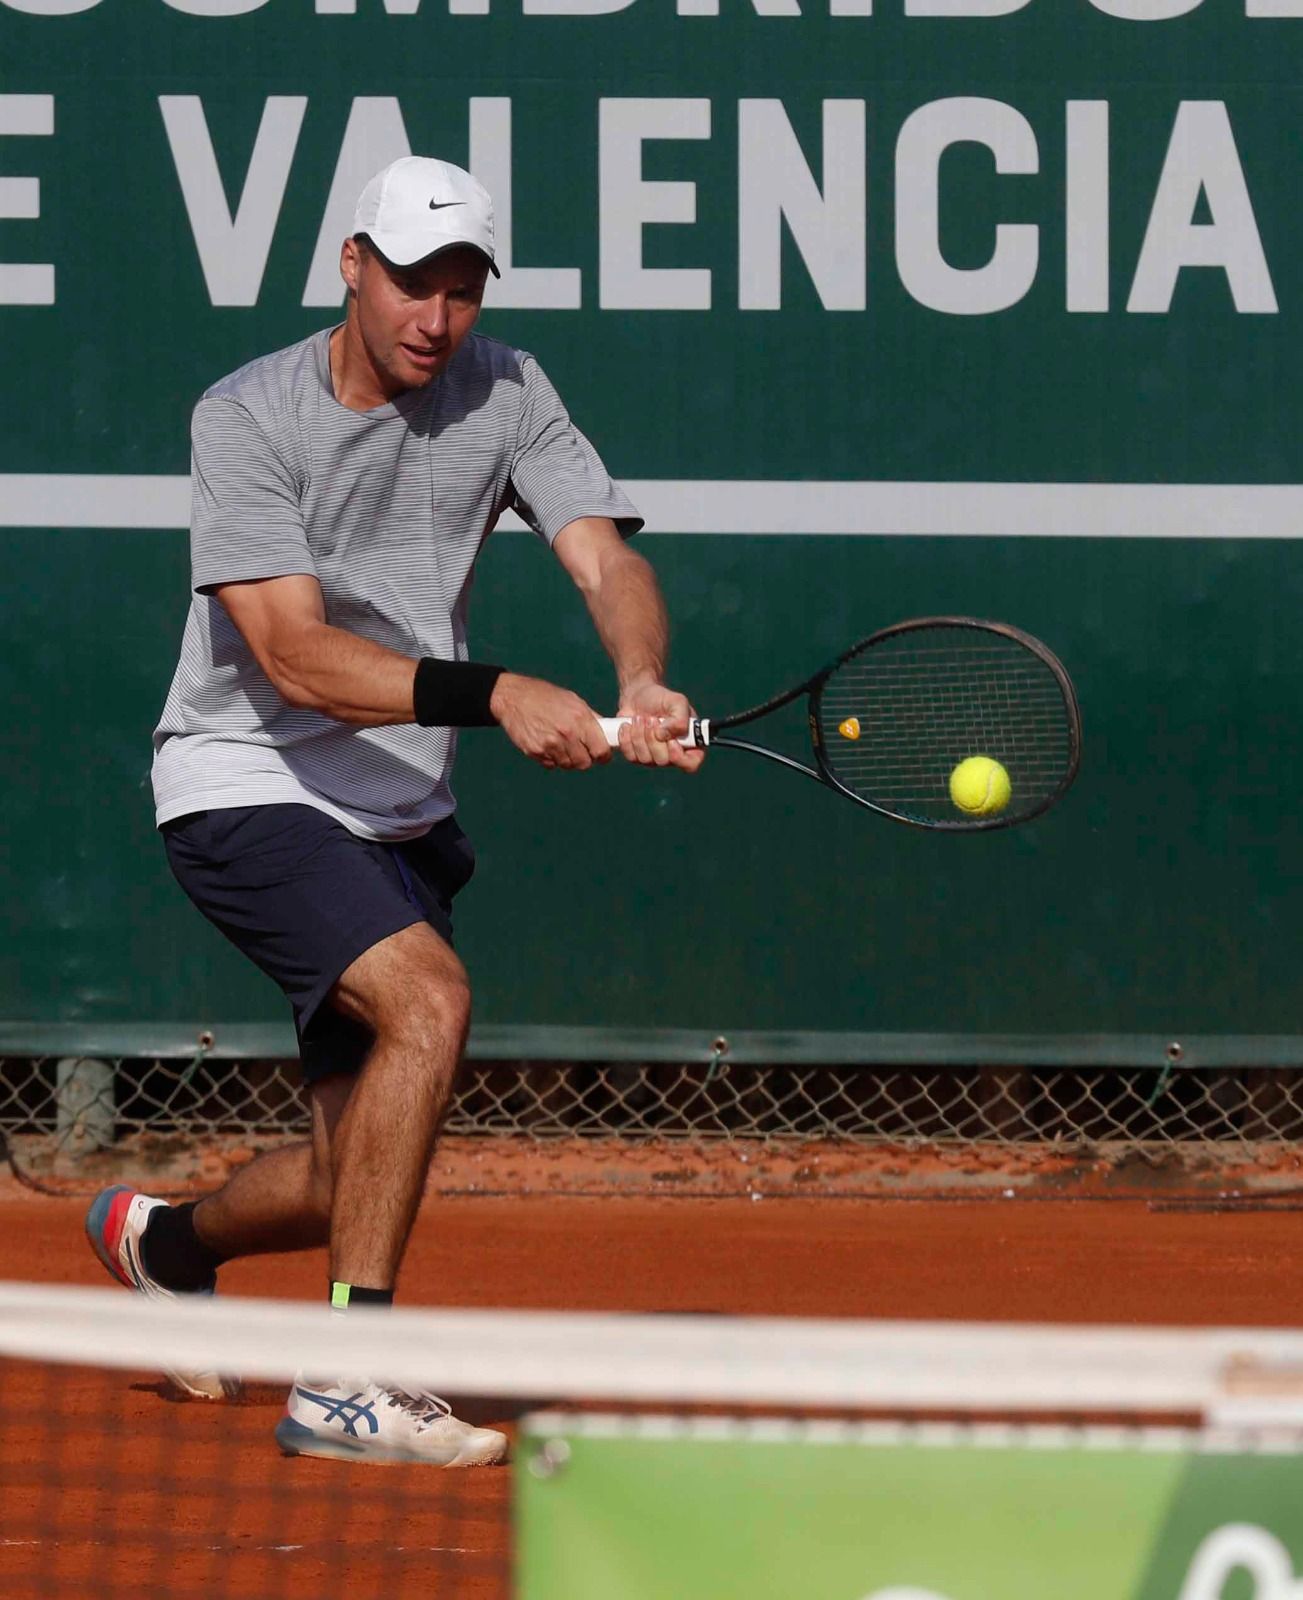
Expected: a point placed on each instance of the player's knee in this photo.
(428, 1009)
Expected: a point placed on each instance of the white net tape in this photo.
(731, 1361)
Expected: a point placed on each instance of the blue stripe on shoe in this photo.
(346, 1411)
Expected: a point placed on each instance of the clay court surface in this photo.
(1017, 1260)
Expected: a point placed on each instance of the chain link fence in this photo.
(887, 1126)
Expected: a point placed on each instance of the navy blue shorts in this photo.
(303, 898)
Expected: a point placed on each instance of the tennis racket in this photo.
(892, 718)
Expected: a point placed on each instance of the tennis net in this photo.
(653, 1458)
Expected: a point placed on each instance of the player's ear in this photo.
(350, 263)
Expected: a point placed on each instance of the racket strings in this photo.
(897, 719)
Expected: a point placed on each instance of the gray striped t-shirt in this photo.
(387, 509)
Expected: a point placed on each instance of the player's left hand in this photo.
(660, 719)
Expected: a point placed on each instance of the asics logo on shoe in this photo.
(346, 1411)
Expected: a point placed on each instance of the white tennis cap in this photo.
(418, 206)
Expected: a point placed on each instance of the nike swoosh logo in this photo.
(442, 205)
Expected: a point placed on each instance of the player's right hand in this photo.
(550, 725)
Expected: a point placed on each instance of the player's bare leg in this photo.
(413, 993)
(281, 1201)
(357, 1183)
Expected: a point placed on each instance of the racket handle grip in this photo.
(696, 738)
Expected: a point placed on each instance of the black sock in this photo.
(174, 1253)
(343, 1296)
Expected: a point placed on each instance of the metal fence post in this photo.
(84, 1111)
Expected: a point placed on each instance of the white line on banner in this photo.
(724, 506)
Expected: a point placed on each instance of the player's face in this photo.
(411, 320)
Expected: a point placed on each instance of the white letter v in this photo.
(233, 252)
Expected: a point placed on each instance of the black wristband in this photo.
(454, 694)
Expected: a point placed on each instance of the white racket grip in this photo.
(696, 738)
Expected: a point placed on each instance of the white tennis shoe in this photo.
(367, 1422)
(115, 1225)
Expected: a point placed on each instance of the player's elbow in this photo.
(288, 664)
(297, 694)
(302, 691)
(299, 691)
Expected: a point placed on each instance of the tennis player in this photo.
(342, 490)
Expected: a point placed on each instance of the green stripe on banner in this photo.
(1234, 1531)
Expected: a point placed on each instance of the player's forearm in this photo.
(344, 676)
(628, 611)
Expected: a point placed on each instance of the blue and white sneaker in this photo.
(366, 1422)
(115, 1225)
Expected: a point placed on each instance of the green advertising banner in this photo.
(879, 308)
(680, 1511)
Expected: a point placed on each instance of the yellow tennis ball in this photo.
(980, 786)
